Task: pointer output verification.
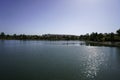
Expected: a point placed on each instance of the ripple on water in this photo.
(93, 60)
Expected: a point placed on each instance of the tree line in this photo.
(102, 37)
(94, 36)
(3, 36)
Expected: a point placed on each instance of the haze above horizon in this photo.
(59, 16)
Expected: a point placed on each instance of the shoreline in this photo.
(117, 44)
(89, 43)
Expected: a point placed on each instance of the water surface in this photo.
(57, 60)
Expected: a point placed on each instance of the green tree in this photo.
(111, 37)
(100, 37)
(94, 36)
(118, 32)
(2, 35)
(14, 36)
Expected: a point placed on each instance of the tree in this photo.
(14, 36)
(2, 35)
(94, 36)
(118, 32)
(112, 37)
(100, 37)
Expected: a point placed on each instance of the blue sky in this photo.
(59, 16)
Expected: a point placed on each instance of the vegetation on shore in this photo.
(3, 36)
(94, 37)
(102, 37)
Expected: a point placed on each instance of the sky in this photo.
(36, 17)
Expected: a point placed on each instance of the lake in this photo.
(57, 60)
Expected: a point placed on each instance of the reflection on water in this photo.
(94, 60)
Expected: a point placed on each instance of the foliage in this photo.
(100, 37)
(118, 32)
(94, 36)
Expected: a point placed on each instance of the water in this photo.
(57, 60)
